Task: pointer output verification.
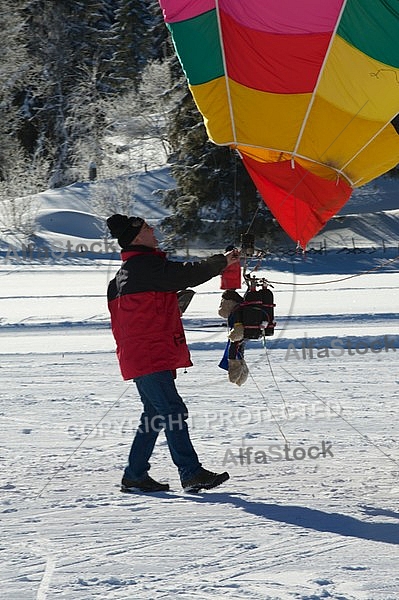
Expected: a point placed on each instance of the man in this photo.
(150, 345)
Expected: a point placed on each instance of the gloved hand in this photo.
(238, 370)
(237, 333)
(229, 302)
(184, 298)
(226, 307)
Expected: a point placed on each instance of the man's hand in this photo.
(233, 256)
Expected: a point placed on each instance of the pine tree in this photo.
(13, 74)
(133, 42)
(162, 47)
(394, 173)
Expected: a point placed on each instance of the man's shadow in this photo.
(310, 518)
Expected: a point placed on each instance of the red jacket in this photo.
(145, 315)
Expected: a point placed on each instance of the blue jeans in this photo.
(163, 409)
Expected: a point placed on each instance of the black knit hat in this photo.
(124, 228)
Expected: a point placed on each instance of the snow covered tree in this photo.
(113, 196)
(70, 49)
(139, 119)
(18, 207)
(157, 99)
(132, 41)
(14, 69)
(60, 61)
(162, 47)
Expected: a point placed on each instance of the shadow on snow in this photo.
(310, 518)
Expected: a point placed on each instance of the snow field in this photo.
(305, 528)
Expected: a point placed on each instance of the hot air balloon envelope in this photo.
(307, 91)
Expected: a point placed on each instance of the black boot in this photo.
(144, 485)
(204, 480)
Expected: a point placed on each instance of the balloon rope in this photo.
(253, 218)
(267, 404)
(363, 435)
(388, 261)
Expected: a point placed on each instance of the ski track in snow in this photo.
(286, 530)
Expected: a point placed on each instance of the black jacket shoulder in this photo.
(149, 271)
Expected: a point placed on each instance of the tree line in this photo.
(72, 72)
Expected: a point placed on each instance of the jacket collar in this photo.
(137, 250)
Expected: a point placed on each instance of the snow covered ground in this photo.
(288, 528)
(311, 509)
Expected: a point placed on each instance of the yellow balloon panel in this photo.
(257, 118)
(333, 137)
(211, 100)
(358, 84)
(378, 157)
